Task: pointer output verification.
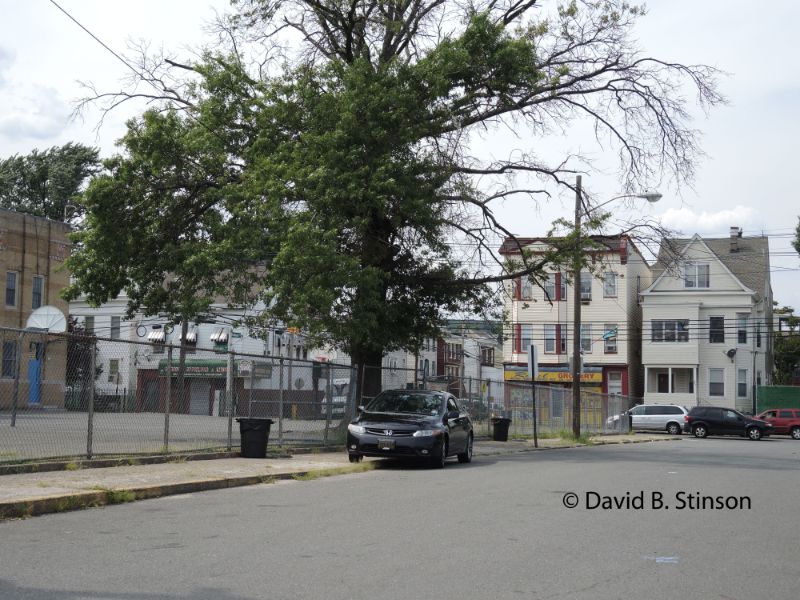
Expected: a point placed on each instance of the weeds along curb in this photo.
(108, 496)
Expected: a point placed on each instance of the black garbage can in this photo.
(500, 429)
(254, 435)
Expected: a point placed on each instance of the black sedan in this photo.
(411, 424)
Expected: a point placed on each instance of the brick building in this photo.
(32, 254)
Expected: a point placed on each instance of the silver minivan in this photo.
(658, 417)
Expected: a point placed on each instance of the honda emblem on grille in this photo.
(387, 432)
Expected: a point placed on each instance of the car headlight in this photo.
(425, 433)
(355, 428)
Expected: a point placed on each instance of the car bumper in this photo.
(400, 447)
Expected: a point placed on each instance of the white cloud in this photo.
(714, 223)
(7, 58)
(39, 114)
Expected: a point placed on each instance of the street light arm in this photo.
(651, 197)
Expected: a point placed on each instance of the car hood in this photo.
(385, 419)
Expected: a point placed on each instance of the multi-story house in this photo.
(707, 322)
(32, 253)
(542, 313)
(135, 365)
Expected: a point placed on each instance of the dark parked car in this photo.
(411, 424)
(783, 420)
(714, 420)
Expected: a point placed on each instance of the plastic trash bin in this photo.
(500, 429)
(254, 435)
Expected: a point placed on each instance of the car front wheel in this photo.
(796, 433)
(466, 456)
(754, 433)
(700, 431)
(441, 457)
(674, 429)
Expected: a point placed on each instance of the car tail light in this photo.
(686, 418)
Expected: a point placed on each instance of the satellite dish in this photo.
(47, 318)
(731, 353)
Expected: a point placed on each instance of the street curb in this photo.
(91, 499)
(129, 461)
(598, 443)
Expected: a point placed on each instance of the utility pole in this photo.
(576, 324)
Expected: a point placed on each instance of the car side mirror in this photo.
(452, 414)
(361, 409)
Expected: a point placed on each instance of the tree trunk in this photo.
(368, 362)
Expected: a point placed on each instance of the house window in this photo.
(555, 286)
(527, 337)
(669, 331)
(758, 335)
(36, 291)
(610, 285)
(487, 356)
(550, 287)
(550, 339)
(157, 337)
(113, 370)
(586, 338)
(716, 382)
(561, 334)
(190, 343)
(741, 383)
(741, 329)
(88, 325)
(526, 289)
(115, 328)
(586, 286)
(9, 358)
(696, 275)
(11, 288)
(455, 351)
(716, 330)
(610, 338)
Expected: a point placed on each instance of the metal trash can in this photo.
(254, 435)
(500, 429)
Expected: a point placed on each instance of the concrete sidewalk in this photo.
(28, 494)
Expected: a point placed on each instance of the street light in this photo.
(576, 275)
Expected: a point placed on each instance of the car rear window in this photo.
(673, 410)
(699, 411)
(786, 414)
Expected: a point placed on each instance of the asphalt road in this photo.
(497, 528)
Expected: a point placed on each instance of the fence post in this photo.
(280, 404)
(229, 397)
(168, 401)
(329, 405)
(17, 364)
(90, 432)
(250, 395)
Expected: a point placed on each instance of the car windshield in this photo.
(407, 402)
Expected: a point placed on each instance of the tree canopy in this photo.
(343, 143)
(48, 184)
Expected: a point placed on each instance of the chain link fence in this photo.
(485, 399)
(66, 395)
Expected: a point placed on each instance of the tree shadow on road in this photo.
(9, 589)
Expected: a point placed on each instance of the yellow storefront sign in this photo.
(554, 376)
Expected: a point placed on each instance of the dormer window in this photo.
(696, 275)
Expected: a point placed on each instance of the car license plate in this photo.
(384, 444)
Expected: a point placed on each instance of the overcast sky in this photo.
(751, 145)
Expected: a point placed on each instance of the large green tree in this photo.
(349, 133)
(48, 184)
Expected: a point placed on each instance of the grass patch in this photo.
(317, 474)
(71, 466)
(561, 434)
(116, 496)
